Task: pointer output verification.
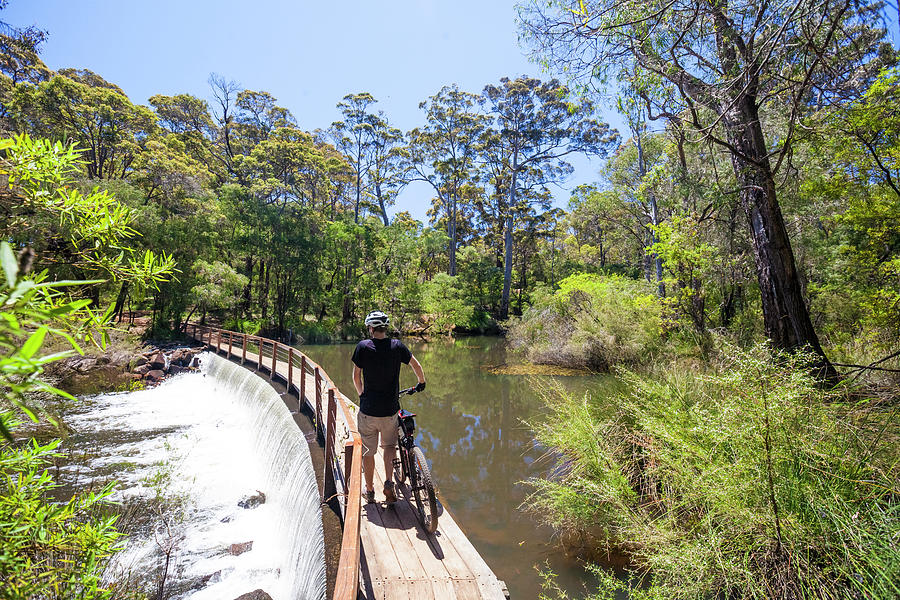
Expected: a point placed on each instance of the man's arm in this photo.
(417, 369)
(357, 380)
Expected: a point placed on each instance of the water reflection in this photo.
(470, 426)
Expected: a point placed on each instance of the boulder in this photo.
(155, 375)
(176, 369)
(257, 594)
(253, 501)
(238, 549)
(84, 365)
(137, 362)
(142, 370)
(158, 361)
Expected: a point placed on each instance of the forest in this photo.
(736, 262)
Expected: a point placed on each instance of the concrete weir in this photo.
(289, 474)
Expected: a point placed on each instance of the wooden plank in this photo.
(347, 583)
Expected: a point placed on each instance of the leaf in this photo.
(9, 264)
(34, 343)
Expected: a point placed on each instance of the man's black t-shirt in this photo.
(380, 361)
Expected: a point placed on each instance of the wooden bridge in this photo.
(385, 552)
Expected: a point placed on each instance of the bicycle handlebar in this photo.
(408, 391)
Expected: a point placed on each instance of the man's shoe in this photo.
(389, 496)
(369, 496)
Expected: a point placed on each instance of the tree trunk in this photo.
(785, 315)
(384, 216)
(508, 247)
(451, 230)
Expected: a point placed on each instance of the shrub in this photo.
(49, 549)
(591, 321)
(749, 482)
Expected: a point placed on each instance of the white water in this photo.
(212, 439)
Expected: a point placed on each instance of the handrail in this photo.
(347, 583)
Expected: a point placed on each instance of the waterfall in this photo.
(289, 472)
(205, 441)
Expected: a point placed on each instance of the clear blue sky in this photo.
(308, 54)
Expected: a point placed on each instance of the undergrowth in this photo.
(748, 482)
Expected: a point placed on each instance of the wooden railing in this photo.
(335, 422)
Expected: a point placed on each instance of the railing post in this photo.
(243, 348)
(330, 486)
(303, 379)
(318, 381)
(259, 356)
(348, 461)
(230, 343)
(290, 368)
(218, 340)
(274, 361)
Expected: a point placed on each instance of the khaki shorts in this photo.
(369, 429)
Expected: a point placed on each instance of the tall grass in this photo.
(748, 482)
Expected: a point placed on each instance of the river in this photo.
(471, 426)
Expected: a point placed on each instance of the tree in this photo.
(718, 67)
(443, 152)
(353, 136)
(536, 129)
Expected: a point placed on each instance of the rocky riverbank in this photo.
(123, 368)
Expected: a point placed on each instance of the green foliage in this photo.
(50, 549)
(219, 285)
(445, 303)
(591, 321)
(750, 481)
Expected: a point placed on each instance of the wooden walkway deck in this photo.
(396, 559)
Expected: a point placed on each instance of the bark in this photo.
(384, 216)
(508, 246)
(451, 231)
(785, 314)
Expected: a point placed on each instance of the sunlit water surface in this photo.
(471, 427)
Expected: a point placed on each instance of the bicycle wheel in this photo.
(423, 491)
(401, 464)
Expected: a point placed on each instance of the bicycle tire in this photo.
(423, 491)
(401, 466)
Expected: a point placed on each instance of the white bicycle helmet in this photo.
(376, 318)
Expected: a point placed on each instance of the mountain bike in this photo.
(411, 463)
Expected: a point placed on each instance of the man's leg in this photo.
(389, 453)
(369, 472)
(369, 435)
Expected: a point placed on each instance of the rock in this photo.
(176, 369)
(142, 370)
(84, 365)
(253, 501)
(155, 375)
(258, 594)
(238, 549)
(195, 362)
(136, 376)
(158, 361)
(137, 362)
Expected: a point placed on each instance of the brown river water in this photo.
(471, 426)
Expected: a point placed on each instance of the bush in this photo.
(750, 482)
(49, 549)
(591, 321)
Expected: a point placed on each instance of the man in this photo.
(376, 375)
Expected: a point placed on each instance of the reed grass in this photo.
(751, 481)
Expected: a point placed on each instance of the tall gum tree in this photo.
(443, 152)
(538, 128)
(718, 66)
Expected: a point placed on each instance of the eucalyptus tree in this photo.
(80, 105)
(536, 129)
(720, 67)
(353, 136)
(443, 153)
(385, 173)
